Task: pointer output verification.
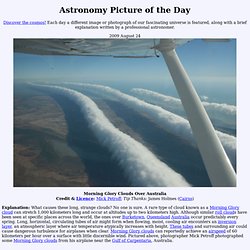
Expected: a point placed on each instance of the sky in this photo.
(209, 65)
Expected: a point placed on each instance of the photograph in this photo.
(124, 112)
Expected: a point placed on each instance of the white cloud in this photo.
(175, 124)
(172, 102)
(204, 98)
(141, 165)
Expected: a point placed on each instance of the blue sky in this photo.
(209, 59)
(207, 63)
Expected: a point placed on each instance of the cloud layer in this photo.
(175, 124)
(142, 167)
(215, 110)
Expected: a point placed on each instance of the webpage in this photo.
(124, 124)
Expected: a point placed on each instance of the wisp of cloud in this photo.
(142, 167)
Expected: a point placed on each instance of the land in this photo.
(42, 157)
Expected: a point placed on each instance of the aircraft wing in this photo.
(124, 48)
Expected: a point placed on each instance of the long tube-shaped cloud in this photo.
(221, 113)
(141, 165)
(166, 101)
(173, 123)
(214, 109)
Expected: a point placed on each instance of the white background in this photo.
(200, 10)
